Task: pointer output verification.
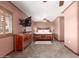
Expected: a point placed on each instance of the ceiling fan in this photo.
(46, 20)
(61, 3)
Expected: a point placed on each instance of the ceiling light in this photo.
(44, 1)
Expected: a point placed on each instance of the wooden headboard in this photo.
(42, 28)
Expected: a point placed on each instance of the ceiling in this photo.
(40, 10)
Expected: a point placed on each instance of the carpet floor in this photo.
(54, 50)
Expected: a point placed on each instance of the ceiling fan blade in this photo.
(61, 3)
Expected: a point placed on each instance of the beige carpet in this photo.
(54, 50)
(43, 42)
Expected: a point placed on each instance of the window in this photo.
(5, 22)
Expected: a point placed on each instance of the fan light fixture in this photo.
(46, 20)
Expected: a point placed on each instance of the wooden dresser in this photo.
(43, 37)
(22, 41)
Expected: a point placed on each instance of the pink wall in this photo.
(16, 15)
(55, 24)
(42, 25)
(6, 44)
(71, 27)
(59, 27)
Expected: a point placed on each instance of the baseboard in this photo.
(28, 45)
(71, 50)
(61, 40)
(58, 40)
(9, 53)
(55, 38)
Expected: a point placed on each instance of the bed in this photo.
(43, 34)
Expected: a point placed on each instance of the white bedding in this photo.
(43, 32)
